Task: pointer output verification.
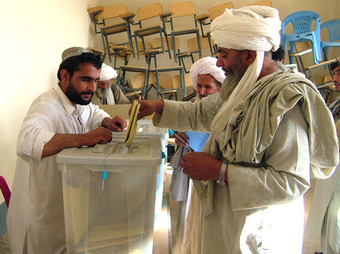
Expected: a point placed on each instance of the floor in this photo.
(165, 235)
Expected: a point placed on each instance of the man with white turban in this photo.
(270, 132)
(206, 78)
(106, 92)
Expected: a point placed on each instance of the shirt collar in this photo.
(70, 109)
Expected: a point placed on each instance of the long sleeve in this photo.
(189, 116)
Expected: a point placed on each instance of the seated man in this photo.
(104, 95)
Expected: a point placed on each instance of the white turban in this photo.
(107, 73)
(254, 28)
(206, 65)
(248, 28)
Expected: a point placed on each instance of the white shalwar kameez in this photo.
(36, 215)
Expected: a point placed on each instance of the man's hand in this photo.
(201, 166)
(99, 135)
(117, 123)
(61, 141)
(182, 137)
(148, 107)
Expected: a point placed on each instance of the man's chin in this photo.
(85, 101)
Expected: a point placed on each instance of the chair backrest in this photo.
(113, 11)
(6, 192)
(302, 22)
(95, 12)
(156, 43)
(218, 10)
(182, 9)
(263, 3)
(137, 81)
(193, 45)
(149, 11)
(176, 81)
(165, 80)
(333, 27)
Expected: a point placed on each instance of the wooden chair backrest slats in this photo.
(113, 11)
(149, 11)
(263, 3)
(216, 11)
(182, 9)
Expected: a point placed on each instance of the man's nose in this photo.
(92, 86)
(219, 62)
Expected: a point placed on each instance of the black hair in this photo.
(72, 64)
(334, 65)
(279, 54)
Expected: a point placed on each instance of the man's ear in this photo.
(64, 79)
(64, 76)
(251, 56)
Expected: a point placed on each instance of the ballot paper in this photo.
(197, 140)
(131, 129)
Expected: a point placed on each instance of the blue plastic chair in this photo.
(333, 27)
(302, 23)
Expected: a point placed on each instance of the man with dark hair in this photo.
(335, 67)
(335, 105)
(62, 117)
(279, 55)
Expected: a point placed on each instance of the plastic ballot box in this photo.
(145, 128)
(109, 196)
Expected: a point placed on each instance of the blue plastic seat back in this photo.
(302, 22)
(333, 27)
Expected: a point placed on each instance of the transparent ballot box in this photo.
(145, 128)
(109, 196)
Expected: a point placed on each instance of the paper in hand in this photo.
(132, 126)
(197, 140)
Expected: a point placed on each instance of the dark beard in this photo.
(75, 97)
(235, 74)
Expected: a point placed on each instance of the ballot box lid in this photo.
(143, 151)
(145, 128)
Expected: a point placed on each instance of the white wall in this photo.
(34, 33)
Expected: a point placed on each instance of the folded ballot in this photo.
(132, 126)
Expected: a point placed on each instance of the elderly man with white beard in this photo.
(108, 93)
(271, 131)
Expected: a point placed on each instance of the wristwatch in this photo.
(222, 173)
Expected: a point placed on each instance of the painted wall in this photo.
(34, 34)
